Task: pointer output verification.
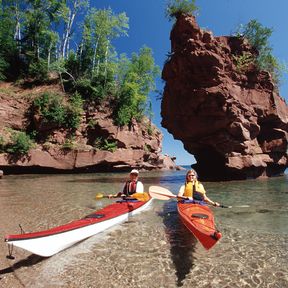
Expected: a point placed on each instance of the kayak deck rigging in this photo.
(199, 220)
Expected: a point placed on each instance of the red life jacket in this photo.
(130, 187)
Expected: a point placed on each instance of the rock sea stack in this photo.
(231, 118)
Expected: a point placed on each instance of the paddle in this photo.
(162, 193)
(138, 196)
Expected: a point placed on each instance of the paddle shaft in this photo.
(138, 196)
(163, 193)
(170, 196)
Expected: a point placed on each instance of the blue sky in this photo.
(148, 26)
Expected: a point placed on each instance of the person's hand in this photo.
(216, 204)
(110, 196)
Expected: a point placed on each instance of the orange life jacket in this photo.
(195, 190)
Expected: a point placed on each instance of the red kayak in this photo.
(49, 242)
(199, 220)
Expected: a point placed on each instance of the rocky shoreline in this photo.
(60, 150)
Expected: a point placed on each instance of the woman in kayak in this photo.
(194, 190)
(133, 185)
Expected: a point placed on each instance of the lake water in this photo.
(153, 249)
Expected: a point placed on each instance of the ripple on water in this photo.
(126, 257)
(153, 249)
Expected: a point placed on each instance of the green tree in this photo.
(177, 7)
(8, 44)
(68, 12)
(74, 111)
(94, 66)
(137, 80)
(100, 28)
(258, 36)
(21, 143)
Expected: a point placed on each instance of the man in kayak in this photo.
(133, 185)
(194, 190)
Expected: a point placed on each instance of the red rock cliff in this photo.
(230, 118)
(135, 146)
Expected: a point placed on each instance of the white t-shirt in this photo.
(139, 187)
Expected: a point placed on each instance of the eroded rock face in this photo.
(229, 116)
(135, 147)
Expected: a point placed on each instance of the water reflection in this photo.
(182, 242)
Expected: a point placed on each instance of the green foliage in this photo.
(243, 61)
(93, 69)
(74, 111)
(104, 144)
(38, 70)
(72, 65)
(21, 144)
(2, 144)
(258, 36)
(109, 146)
(129, 104)
(68, 144)
(33, 135)
(8, 46)
(270, 63)
(147, 148)
(53, 109)
(91, 124)
(100, 28)
(86, 89)
(150, 130)
(97, 88)
(137, 80)
(3, 67)
(177, 7)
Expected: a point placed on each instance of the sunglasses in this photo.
(191, 175)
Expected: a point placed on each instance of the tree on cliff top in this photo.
(36, 39)
(258, 36)
(177, 7)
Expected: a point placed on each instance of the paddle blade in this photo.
(160, 193)
(99, 196)
(141, 196)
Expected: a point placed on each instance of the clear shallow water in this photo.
(152, 249)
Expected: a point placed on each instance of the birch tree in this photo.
(69, 13)
(100, 28)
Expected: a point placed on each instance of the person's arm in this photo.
(206, 198)
(139, 187)
(181, 191)
(119, 194)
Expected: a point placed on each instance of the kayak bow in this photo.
(199, 220)
(49, 242)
